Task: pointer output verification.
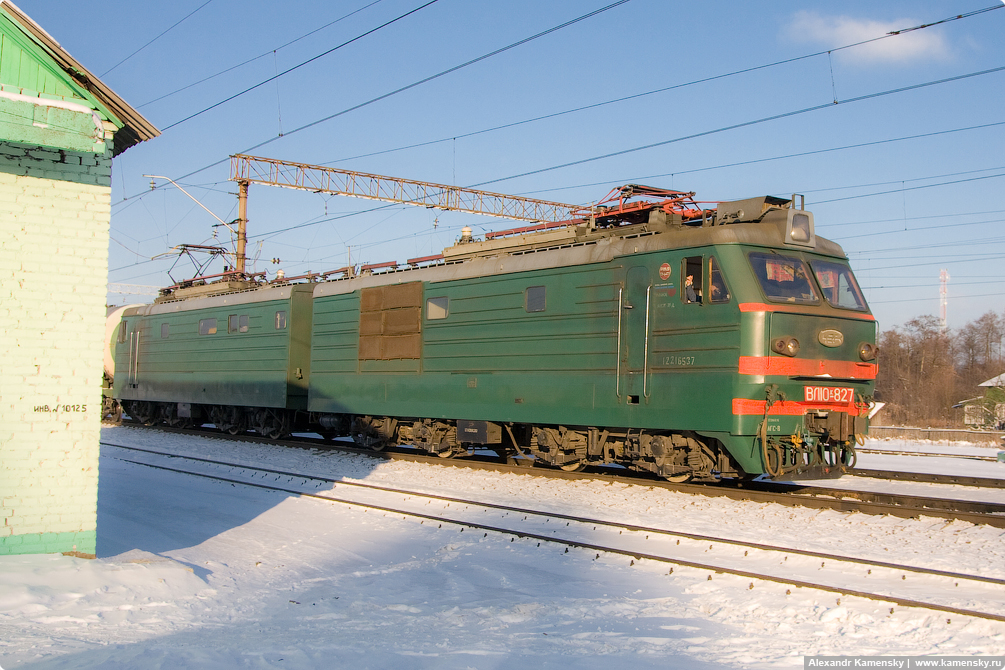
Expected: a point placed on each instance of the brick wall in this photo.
(54, 224)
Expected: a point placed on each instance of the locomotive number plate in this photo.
(829, 394)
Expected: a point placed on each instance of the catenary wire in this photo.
(727, 165)
(765, 160)
(745, 124)
(914, 218)
(912, 188)
(702, 168)
(413, 84)
(916, 230)
(175, 25)
(933, 298)
(301, 64)
(674, 140)
(664, 89)
(262, 55)
(900, 181)
(261, 144)
(929, 284)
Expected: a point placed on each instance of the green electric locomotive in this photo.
(654, 334)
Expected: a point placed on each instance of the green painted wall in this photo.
(27, 68)
(492, 359)
(41, 105)
(83, 543)
(23, 64)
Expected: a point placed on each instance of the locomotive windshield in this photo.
(838, 285)
(784, 278)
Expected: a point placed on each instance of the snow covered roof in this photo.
(994, 382)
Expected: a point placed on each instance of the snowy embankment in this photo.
(196, 573)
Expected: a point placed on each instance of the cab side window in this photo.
(717, 289)
(691, 279)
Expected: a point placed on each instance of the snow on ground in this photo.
(962, 466)
(958, 448)
(956, 458)
(200, 574)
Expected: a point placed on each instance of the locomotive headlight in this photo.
(867, 351)
(786, 346)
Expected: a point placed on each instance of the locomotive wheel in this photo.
(170, 414)
(144, 412)
(372, 442)
(228, 419)
(577, 466)
(376, 444)
(111, 411)
(267, 424)
(446, 450)
(678, 479)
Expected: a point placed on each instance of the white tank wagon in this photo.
(110, 409)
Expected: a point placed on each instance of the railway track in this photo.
(926, 478)
(791, 494)
(944, 591)
(891, 452)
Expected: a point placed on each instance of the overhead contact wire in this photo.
(300, 65)
(744, 124)
(417, 83)
(178, 23)
(670, 88)
(954, 18)
(263, 55)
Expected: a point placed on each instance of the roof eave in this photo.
(135, 128)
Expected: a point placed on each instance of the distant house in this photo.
(995, 382)
(987, 411)
(60, 128)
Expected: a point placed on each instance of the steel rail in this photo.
(788, 494)
(890, 452)
(636, 555)
(927, 478)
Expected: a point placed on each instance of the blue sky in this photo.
(903, 209)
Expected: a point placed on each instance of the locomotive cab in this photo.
(807, 363)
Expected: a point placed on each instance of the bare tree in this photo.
(917, 378)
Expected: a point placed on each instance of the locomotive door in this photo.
(633, 327)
